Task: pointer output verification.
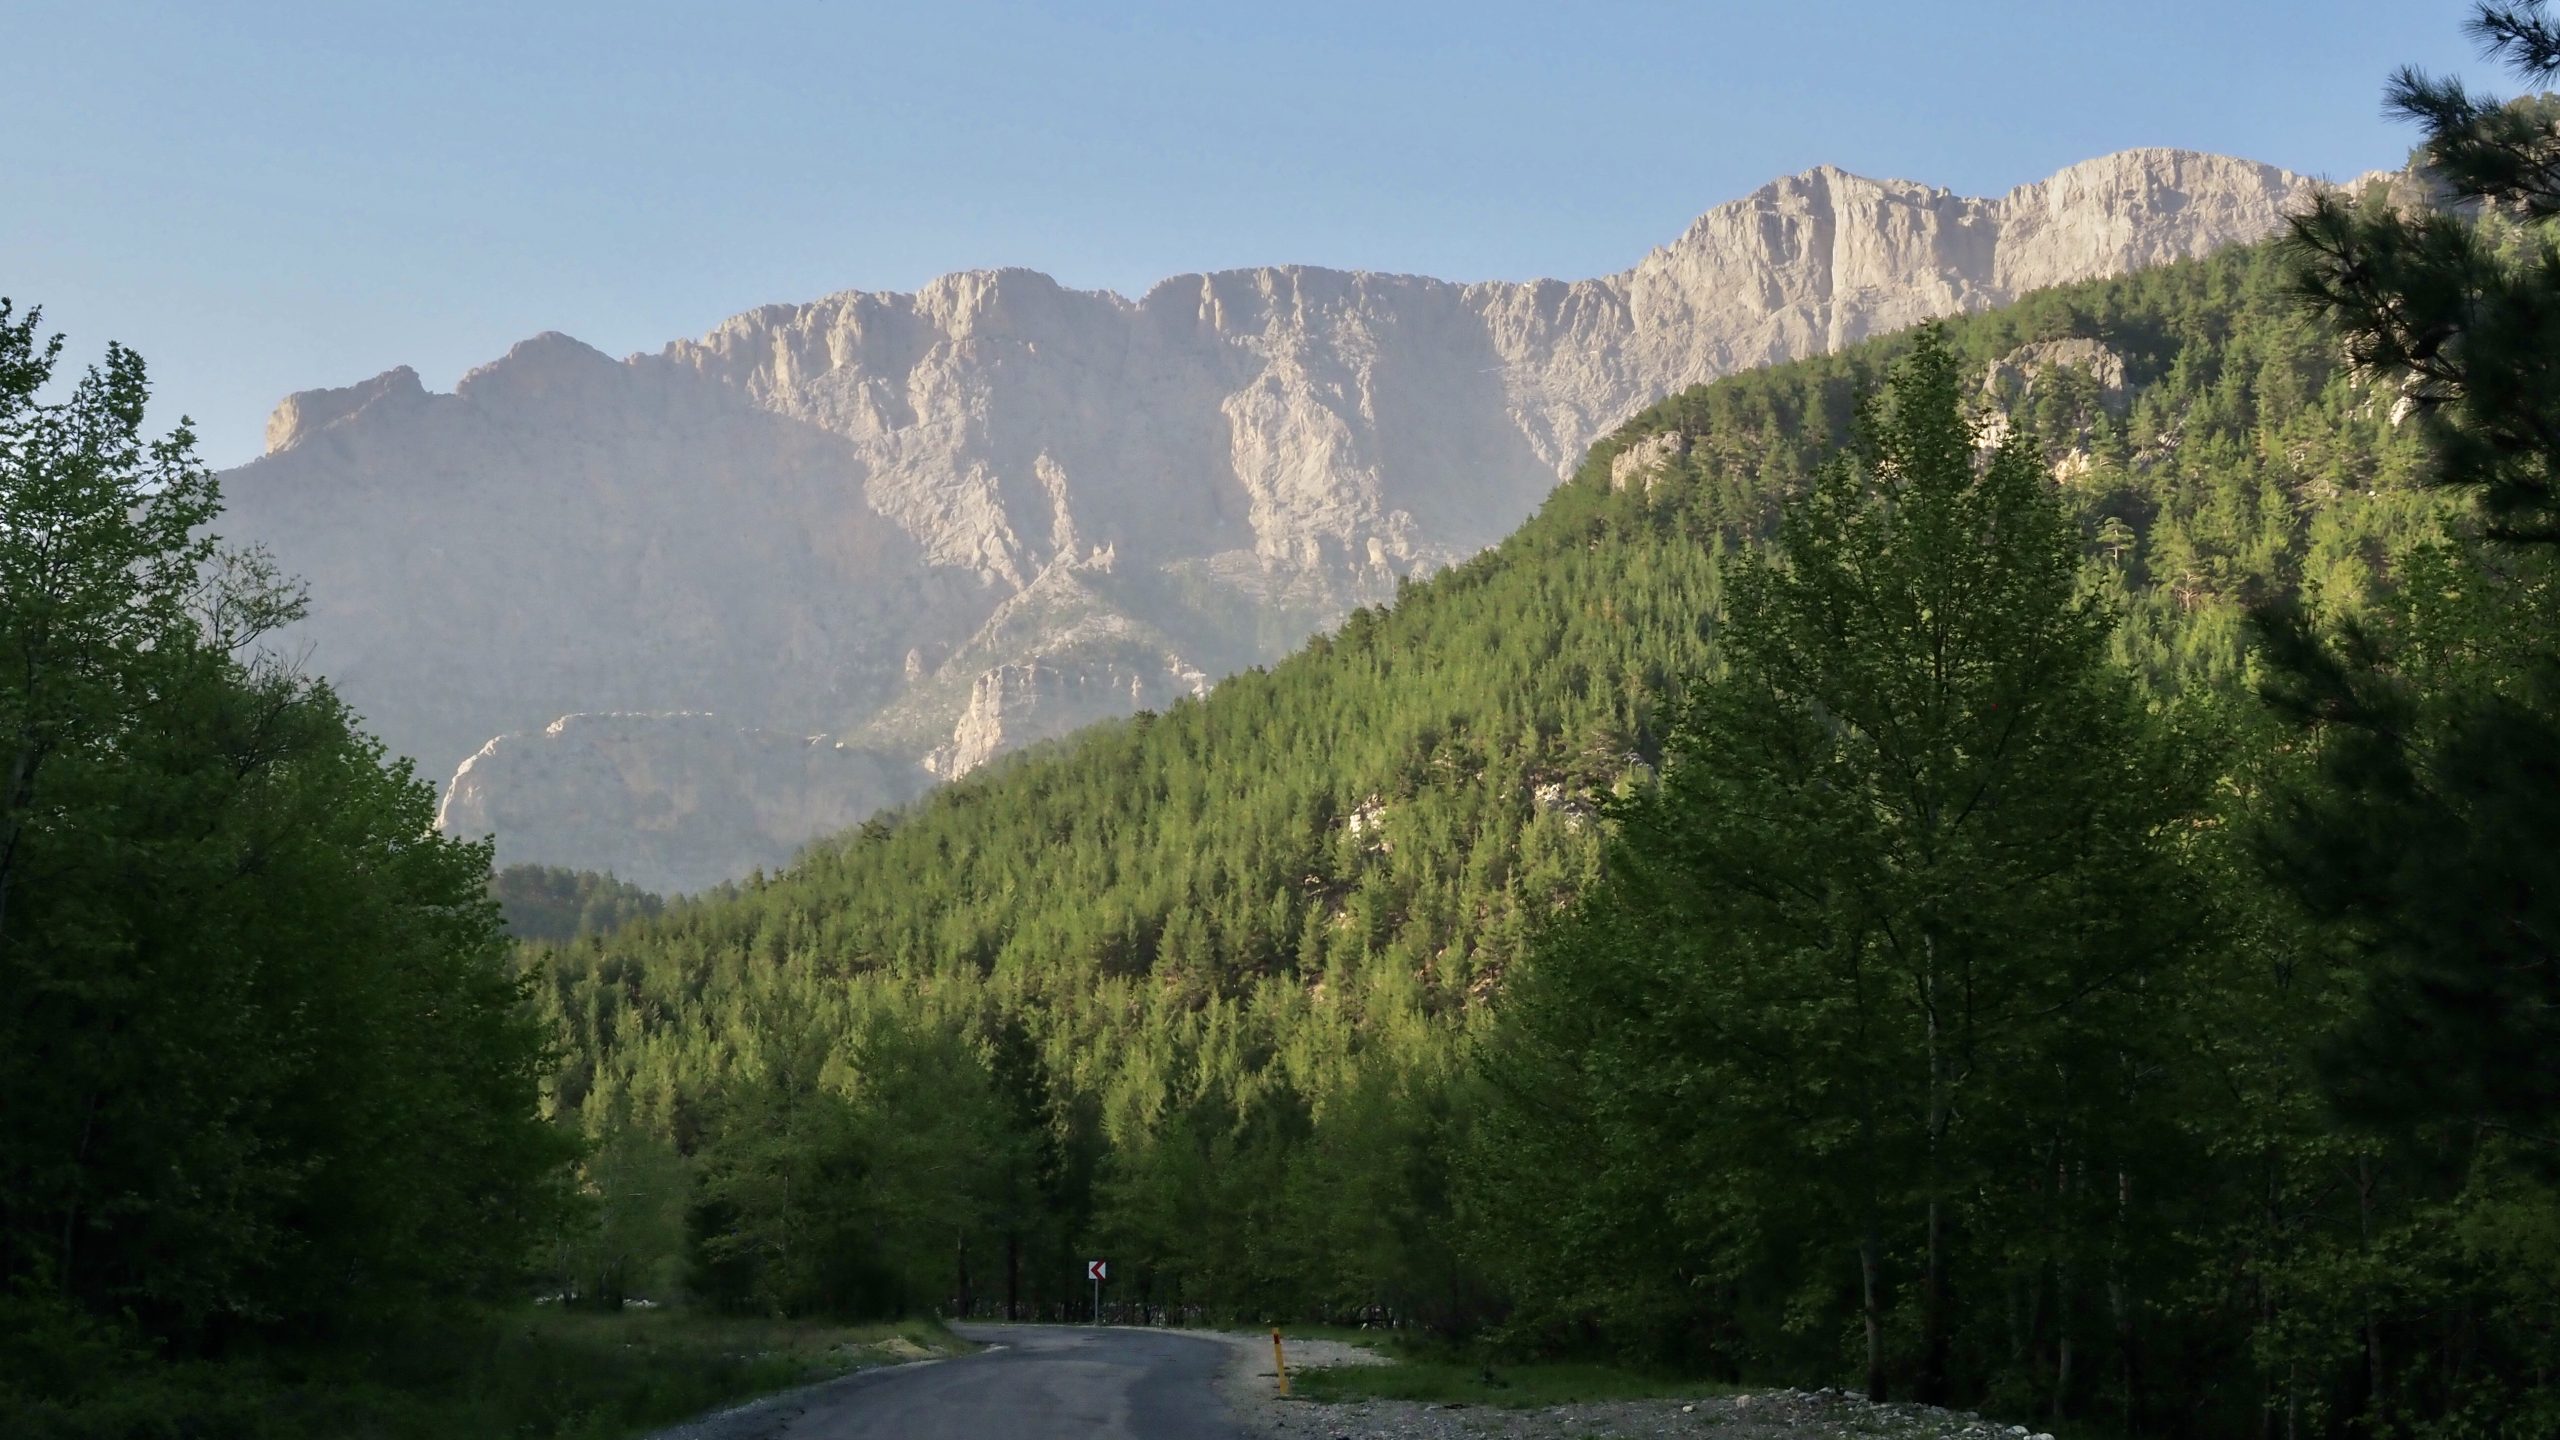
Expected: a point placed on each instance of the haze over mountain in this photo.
(929, 528)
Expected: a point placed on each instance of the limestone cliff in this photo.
(679, 801)
(949, 522)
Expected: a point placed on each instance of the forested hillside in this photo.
(1400, 796)
(1210, 991)
(545, 902)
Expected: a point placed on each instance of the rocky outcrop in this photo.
(1040, 699)
(2015, 378)
(2019, 372)
(948, 522)
(671, 802)
(1642, 463)
(1061, 653)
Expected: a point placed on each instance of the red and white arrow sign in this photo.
(1097, 1270)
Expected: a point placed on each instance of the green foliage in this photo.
(549, 903)
(846, 1173)
(2428, 831)
(264, 1068)
(1868, 965)
(2415, 833)
(622, 1237)
(511, 1372)
(1226, 968)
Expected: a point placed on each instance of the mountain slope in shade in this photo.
(946, 524)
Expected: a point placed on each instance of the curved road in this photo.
(1034, 1383)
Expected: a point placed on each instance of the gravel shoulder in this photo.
(1252, 1394)
(1251, 1387)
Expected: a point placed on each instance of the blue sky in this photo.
(263, 198)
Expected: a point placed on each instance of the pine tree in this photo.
(1907, 860)
(2433, 836)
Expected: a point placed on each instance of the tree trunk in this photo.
(2267, 1379)
(2372, 1329)
(1013, 1275)
(71, 1208)
(1871, 1235)
(2017, 1333)
(2062, 1341)
(2120, 1301)
(1932, 1385)
(1933, 1320)
(13, 803)
(1872, 1291)
(2062, 1292)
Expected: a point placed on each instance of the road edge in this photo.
(765, 1415)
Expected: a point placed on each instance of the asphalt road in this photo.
(1038, 1382)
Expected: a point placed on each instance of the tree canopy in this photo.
(264, 1067)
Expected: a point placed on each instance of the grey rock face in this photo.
(680, 801)
(1643, 463)
(2020, 369)
(946, 523)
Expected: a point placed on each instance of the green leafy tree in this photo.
(100, 561)
(264, 1064)
(781, 1222)
(850, 1166)
(546, 902)
(1884, 928)
(627, 1238)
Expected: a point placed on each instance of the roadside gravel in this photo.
(1254, 1396)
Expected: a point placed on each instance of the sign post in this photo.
(1097, 1271)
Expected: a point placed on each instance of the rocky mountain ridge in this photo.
(944, 524)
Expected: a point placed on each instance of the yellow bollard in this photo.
(1279, 1360)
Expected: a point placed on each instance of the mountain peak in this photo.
(537, 364)
(306, 413)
